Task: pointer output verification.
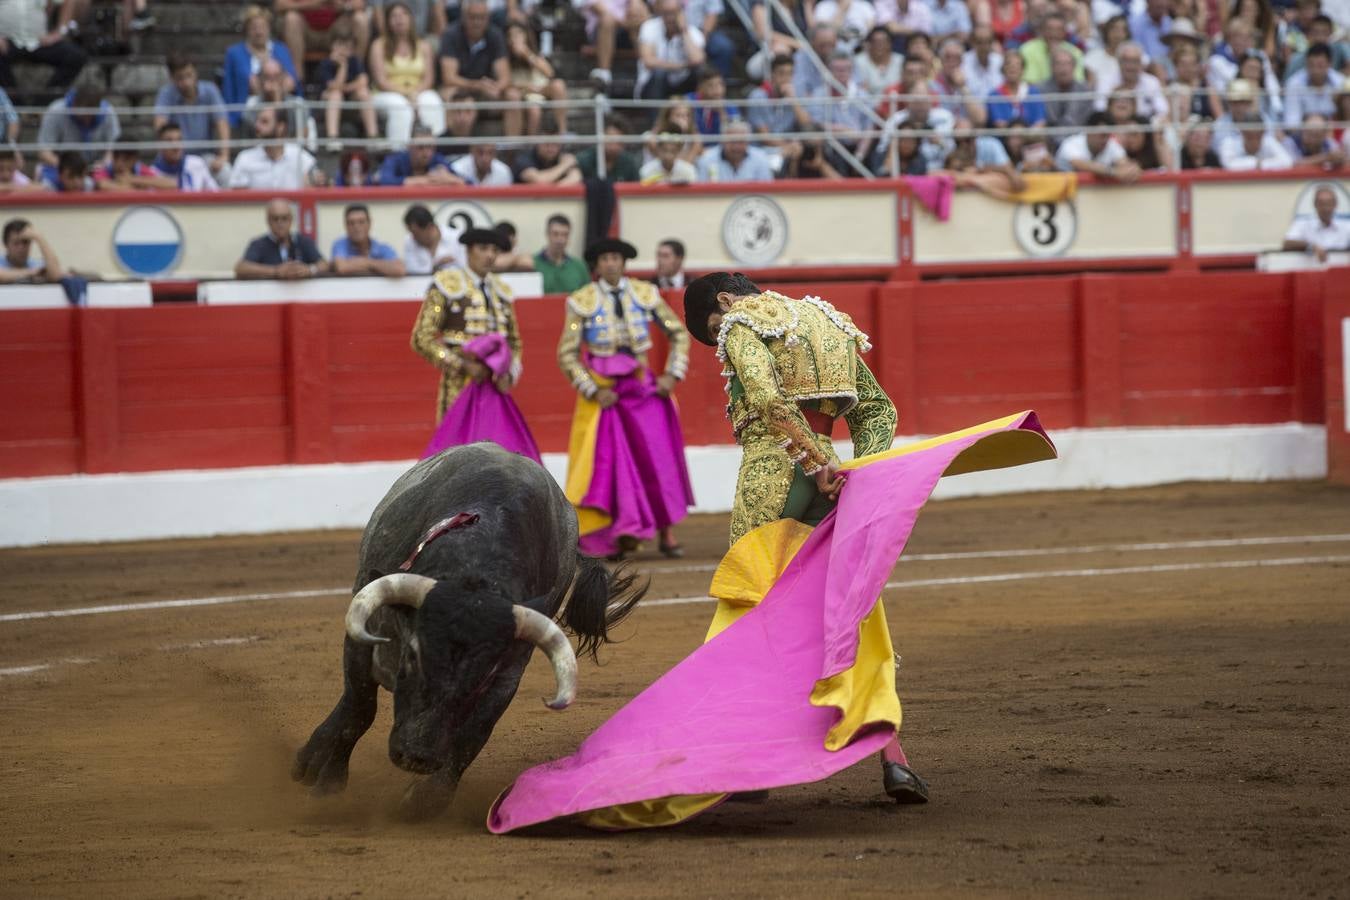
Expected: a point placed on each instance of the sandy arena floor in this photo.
(1122, 720)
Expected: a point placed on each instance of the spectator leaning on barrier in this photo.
(357, 253)
(277, 164)
(735, 159)
(126, 172)
(1145, 146)
(95, 130)
(561, 272)
(1096, 153)
(342, 78)
(1196, 149)
(18, 265)
(670, 265)
(24, 37)
(12, 179)
(1253, 147)
(509, 259)
(621, 164)
(1317, 234)
(670, 50)
(546, 163)
(1313, 89)
(429, 247)
(244, 61)
(205, 121)
(482, 168)
(420, 164)
(189, 171)
(281, 253)
(313, 24)
(69, 175)
(1312, 145)
(666, 167)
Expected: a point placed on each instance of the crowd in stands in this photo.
(989, 89)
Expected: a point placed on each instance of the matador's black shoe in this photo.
(903, 784)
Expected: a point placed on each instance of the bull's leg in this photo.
(431, 796)
(322, 762)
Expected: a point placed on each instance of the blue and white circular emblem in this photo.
(147, 241)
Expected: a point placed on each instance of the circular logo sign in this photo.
(1304, 205)
(1045, 229)
(147, 241)
(754, 230)
(461, 215)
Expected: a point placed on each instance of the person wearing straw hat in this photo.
(464, 302)
(626, 472)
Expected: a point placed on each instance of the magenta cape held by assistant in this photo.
(736, 715)
(483, 413)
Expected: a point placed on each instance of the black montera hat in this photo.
(609, 245)
(484, 236)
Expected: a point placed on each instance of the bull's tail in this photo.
(601, 599)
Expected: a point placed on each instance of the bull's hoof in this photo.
(426, 799)
(321, 765)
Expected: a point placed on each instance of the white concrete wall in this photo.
(201, 503)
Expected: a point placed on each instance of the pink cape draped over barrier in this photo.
(639, 477)
(935, 192)
(735, 715)
(483, 413)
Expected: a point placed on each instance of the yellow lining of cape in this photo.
(581, 459)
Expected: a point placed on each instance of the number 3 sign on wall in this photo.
(1045, 229)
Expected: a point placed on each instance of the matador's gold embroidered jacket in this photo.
(454, 311)
(592, 320)
(778, 353)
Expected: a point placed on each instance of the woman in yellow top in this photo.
(403, 71)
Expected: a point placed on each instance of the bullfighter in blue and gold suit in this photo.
(626, 472)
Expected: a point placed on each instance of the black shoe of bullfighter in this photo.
(903, 784)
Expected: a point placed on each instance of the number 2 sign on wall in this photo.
(1045, 229)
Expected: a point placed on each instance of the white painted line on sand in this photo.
(167, 604)
(40, 667)
(1070, 573)
(1065, 551)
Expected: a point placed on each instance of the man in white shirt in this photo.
(480, 166)
(1222, 66)
(1149, 99)
(1313, 88)
(429, 247)
(1253, 148)
(278, 165)
(669, 52)
(1321, 233)
(982, 63)
(1097, 153)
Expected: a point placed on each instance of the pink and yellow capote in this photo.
(797, 678)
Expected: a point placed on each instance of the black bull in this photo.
(451, 638)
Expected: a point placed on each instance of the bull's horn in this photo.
(400, 588)
(541, 631)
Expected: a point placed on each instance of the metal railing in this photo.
(875, 131)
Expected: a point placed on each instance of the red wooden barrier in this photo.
(1337, 396)
(204, 387)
